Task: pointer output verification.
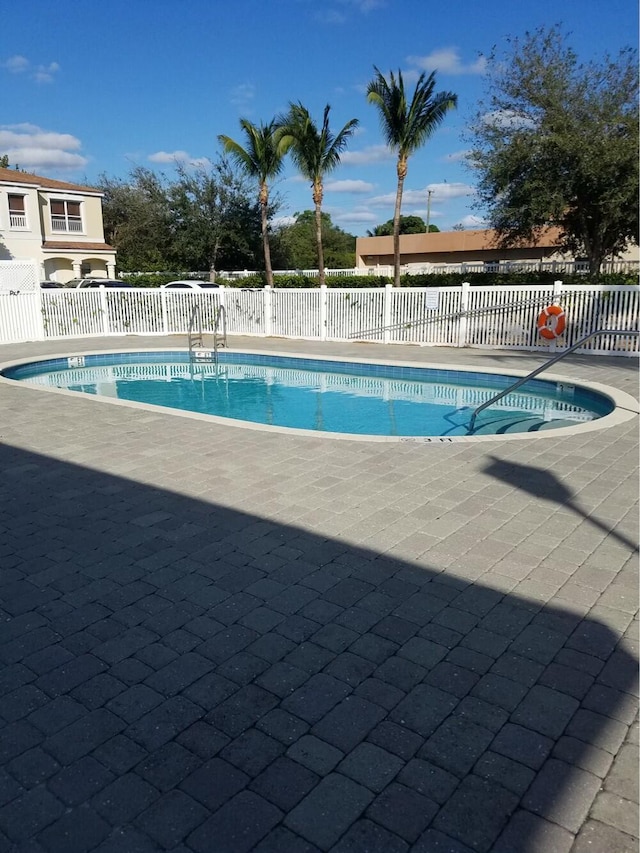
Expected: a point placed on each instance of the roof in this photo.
(59, 244)
(446, 241)
(15, 176)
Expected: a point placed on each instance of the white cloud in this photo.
(354, 217)
(348, 186)
(242, 95)
(471, 221)
(43, 159)
(182, 157)
(16, 64)
(439, 192)
(44, 73)
(338, 14)
(372, 154)
(282, 221)
(31, 147)
(456, 156)
(366, 6)
(383, 200)
(446, 191)
(447, 61)
(40, 73)
(29, 135)
(508, 120)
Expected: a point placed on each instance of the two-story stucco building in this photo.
(57, 224)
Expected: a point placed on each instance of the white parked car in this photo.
(96, 282)
(189, 285)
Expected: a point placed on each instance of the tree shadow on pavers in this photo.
(180, 675)
(543, 484)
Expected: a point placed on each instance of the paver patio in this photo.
(219, 640)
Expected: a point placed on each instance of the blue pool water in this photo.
(325, 396)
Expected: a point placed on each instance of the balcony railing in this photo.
(67, 224)
(17, 220)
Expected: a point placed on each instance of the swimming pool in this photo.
(355, 398)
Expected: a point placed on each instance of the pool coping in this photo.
(626, 406)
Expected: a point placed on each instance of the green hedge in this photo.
(451, 279)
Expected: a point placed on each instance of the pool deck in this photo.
(217, 639)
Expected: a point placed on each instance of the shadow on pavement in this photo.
(177, 675)
(544, 485)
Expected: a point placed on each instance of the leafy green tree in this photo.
(407, 125)
(137, 219)
(556, 144)
(408, 225)
(4, 161)
(215, 224)
(261, 158)
(316, 152)
(296, 245)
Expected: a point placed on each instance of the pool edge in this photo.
(626, 406)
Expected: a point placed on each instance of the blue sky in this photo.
(90, 87)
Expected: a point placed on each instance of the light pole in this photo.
(429, 194)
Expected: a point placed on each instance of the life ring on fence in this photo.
(551, 322)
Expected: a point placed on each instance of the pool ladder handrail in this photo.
(544, 366)
(195, 335)
(219, 340)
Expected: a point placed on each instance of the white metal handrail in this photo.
(520, 382)
(455, 315)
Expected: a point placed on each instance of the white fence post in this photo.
(268, 309)
(222, 291)
(464, 307)
(39, 312)
(323, 312)
(557, 292)
(104, 308)
(386, 313)
(163, 310)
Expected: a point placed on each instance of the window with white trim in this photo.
(17, 211)
(66, 216)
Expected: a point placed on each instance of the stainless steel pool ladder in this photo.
(196, 337)
(194, 330)
(556, 358)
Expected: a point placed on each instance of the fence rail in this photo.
(495, 316)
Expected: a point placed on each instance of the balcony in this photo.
(66, 224)
(17, 220)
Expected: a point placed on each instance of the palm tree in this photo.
(315, 152)
(406, 128)
(262, 158)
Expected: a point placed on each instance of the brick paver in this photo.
(225, 639)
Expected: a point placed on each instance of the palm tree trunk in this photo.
(396, 230)
(265, 239)
(317, 198)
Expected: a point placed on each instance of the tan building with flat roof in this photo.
(57, 224)
(459, 247)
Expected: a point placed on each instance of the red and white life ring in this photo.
(551, 322)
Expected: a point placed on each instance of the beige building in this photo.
(459, 247)
(57, 224)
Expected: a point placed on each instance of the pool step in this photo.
(502, 426)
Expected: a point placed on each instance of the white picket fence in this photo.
(475, 316)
